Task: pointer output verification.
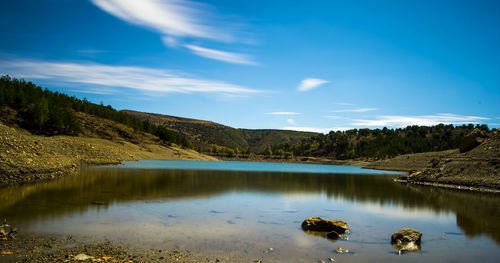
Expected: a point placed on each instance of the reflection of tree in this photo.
(476, 213)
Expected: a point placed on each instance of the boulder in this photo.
(406, 240)
(471, 141)
(324, 225)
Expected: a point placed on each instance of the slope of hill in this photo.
(206, 133)
(26, 157)
(478, 167)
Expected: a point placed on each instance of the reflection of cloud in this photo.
(398, 211)
(426, 120)
(145, 79)
(310, 83)
(221, 55)
(175, 19)
(302, 241)
(356, 110)
(315, 129)
(282, 113)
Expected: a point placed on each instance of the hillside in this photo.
(381, 143)
(477, 167)
(206, 133)
(26, 157)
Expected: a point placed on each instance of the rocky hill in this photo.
(206, 133)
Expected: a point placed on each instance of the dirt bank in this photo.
(408, 162)
(476, 170)
(25, 157)
(293, 159)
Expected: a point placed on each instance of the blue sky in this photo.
(302, 65)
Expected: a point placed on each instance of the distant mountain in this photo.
(206, 133)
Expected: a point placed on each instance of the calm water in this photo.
(241, 209)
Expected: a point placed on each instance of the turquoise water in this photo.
(252, 167)
(239, 211)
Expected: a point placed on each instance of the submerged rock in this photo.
(341, 250)
(406, 240)
(324, 225)
(333, 235)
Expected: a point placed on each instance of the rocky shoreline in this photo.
(474, 168)
(53, 248)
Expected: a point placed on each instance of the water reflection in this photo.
(476, 213)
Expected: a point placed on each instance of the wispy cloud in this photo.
(334, 117)
(315, 129)
(426, 120)
(310, 83)
(355, 110)
(282, 113)
(138, 78)
(291, 121)
(345, 104)
(235, 58)
(176, 20)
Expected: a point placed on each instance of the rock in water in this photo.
(324, 225)
(333, 235)
(406, 240)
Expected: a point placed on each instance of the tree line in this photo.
(45, 112)
(378, 143)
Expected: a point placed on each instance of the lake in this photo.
(248, 211)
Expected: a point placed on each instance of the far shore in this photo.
(28, 158)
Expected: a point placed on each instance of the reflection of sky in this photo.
(248, 212)
(254, 222)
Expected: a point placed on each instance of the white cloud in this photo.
(291, 121)
(139, 78)
(345, 104)
(282, 113)
(221, 55)
(310, 83)
(170, 41)
(426, 120)
(175, 19)
(355, 110)
(178, 18)
(315, 129)
(334, 117)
